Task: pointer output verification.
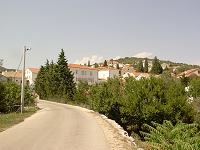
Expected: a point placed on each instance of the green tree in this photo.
(89, 63)
(195, 87)
(105, 64)
(166, 136)
(56, 80)
(140, 67)
(117, 66)
(65, 77)
(96, 65)
(146, 65)
(156, 67)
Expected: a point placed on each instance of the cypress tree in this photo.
(96, 65)
(156, 67)
(105, 64)
(55, 80)
(65, 77)
(140, 67)
(89, 63)
(146, 65)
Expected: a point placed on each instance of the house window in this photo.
(85, 72)
(90, 73)
(76, 71)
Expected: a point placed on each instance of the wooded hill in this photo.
(180, 66)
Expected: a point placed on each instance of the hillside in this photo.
(180, 67)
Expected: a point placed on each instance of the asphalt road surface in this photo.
(55, 127)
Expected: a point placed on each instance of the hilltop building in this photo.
(15, 76)
(84, 73)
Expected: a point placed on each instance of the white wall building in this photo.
(106, 73)
(84, 73)
(31, 75)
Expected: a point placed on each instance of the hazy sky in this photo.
(99, 29)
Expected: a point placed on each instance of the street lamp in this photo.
(23, 74)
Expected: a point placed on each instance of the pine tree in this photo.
(89, 63)
(55, 80)
(146, 65)
(65, 77)
(105, 64)
(96, 65)
(117, 66)
(156, 67)
(140, 67)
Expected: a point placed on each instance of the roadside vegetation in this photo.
(10, 94)
(156, 110)
(10, 119)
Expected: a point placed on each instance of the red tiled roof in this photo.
(81, 67)
(34, 70)
(13, 74)
(188, 72)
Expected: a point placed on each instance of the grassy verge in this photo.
(8, 120)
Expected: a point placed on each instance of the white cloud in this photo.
(117, 57)
(93, 59)
(143, 55)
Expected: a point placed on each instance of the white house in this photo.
(126, 69)
(31, 75)
(106, 73)
(84, 73)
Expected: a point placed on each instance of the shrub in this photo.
(166, 136)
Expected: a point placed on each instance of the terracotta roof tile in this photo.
(34, 70)
(81, 67)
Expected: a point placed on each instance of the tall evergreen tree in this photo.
(117, 66)
(146, 65)
(55, 80)
(65, 77)
(156, 66)
(140, 67)
(96, 65)
(105, 64)
(89, 63)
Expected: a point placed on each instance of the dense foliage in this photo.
(55, 80)
(133, 103)
(139, 66)
(156, 66)
(167, 136)
(146, 65)
(10, 95)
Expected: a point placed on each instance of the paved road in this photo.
(55, 127)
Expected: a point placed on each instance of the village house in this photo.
(31, 75)
(190, 73)
(136, 75)
(84, 73)
(106, 73)
(126, 69)
(15, 76)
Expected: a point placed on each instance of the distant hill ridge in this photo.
(181, 67)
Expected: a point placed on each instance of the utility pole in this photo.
(23, 76)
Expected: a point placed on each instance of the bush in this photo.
(182, 136)
(133, 103)
(10, 97)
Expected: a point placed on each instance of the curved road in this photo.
(55, 127)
